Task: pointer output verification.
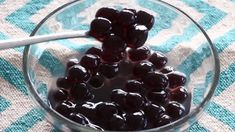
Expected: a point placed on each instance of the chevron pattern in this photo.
(18, 19)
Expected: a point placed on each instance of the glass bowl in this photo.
(174, 33)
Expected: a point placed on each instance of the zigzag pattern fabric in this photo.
(19, 113)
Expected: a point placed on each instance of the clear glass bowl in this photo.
(184, 42)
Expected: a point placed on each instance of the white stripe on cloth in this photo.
(179, 24)
(213, 124)
(227, 57)
(42, 126)
(227, 98)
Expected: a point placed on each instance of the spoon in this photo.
(5, 44)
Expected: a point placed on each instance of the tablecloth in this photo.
(18, 112)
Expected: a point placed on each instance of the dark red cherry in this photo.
(96, 81)
(158, 96)
(139, 54)
(116, 123)
(100, 28)
(65, 108)
(132, 10)
(163, 120)
(63, 82)
(145, 18)
(134, 101)
(176, 79)
(179, 94)
(136, 36)
(81, 92)
(111, 57)
(95, 127)
(135, 121)
(142, 68)
(119, 30)
(153, 111)
(107, 12)
(90, 62)
(134, 86)
(79, 118)
(175, 110)
(113, 44)
(108, 70)
(77, 73)
(158, 59)
(106, 110)
(126, 67)
(126, 17)
(167, 69)
(60, 95)
(88, 109)
(72, 62)
(155, 79)
(94, 51)
(119, 97)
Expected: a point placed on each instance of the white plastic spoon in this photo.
(11, 43)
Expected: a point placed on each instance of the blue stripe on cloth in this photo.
(79, 47)
(196, 127)
(221, 114)
(13, 75)
(2, 36)
(224, 41)
(163, 19)
(227, 78)
(21, 17)
(55, 130)
(20, 49)
(67, 17)
(51, 63)
(4, 104)
(212, 14)
(27, 121)
(204, 51)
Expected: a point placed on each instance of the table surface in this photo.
(18, 112)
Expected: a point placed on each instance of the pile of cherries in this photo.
(123, 85)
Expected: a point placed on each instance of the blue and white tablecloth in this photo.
(18, 112)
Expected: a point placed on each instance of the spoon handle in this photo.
(5, 44)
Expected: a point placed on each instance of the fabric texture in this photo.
(19, 113)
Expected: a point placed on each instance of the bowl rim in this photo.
(194, 114)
